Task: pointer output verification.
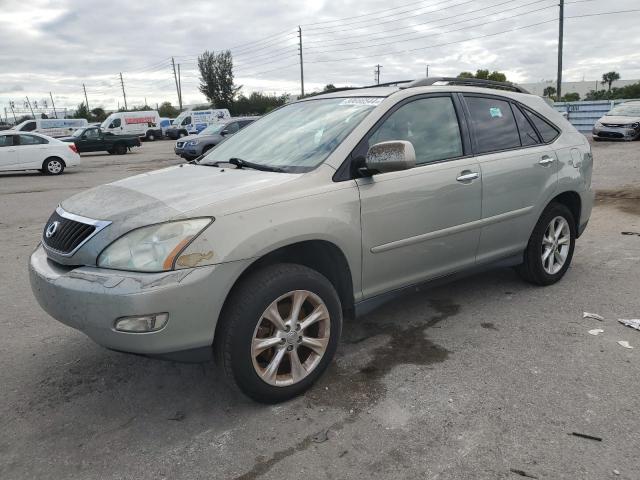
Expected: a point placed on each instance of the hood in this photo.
(619, 120)
(188, 137)
(164, 194)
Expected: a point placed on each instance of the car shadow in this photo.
(36, 173)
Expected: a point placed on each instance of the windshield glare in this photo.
(297, 137)
(625, 111)
(212, 129)
(78, 132)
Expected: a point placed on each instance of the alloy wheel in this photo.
(54, 166)
(290, 338)
(556, 243)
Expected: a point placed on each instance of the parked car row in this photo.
(621, 123)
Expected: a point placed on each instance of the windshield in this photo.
(213, 129)
(78, 132)
(297, 137)
(178, 120)
(625, 111)
(106, 123)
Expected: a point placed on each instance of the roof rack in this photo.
(467, 82)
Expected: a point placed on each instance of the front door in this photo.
(8, 153)
(31, 151)
(419, 224)
(89, 141)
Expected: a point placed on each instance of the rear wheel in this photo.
(53, 166)
(550, 248)
(120, 149)
(151, 136)
(279, 332)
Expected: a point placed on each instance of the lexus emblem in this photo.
(51, 230)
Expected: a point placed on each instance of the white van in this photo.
(144, 124)
(52, 127)
(193, 122)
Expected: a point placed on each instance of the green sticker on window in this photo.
(495, 112)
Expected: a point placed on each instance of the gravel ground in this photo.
(485, 378)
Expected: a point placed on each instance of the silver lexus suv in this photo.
(321, 209)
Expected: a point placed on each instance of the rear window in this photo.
(493, 124)
(528, 135)
(547, 131)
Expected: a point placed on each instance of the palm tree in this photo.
(610, 77)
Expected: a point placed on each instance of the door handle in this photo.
(467, 176)
(546, 160)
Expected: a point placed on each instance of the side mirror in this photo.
(390, 156)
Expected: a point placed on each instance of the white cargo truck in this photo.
(193, 122)
(145, 124)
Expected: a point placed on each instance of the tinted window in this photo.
(91, 133)
(115, 123)
(547, 132)
(493, 123)
(31, 140)
(29, 127)
(232, 127)
(528, 135)
(244, 123)
(430, 124)
(6, 140)
(186, 121)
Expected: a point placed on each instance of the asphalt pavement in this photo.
(484, 378)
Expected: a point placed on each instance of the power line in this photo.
(604, 13)
(420, 37)
(436, 45)
(370, 38)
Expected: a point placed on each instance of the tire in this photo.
(596, 139)
(543, 272)
(181, 134)
(111, 151)
(53, 166)
(120, 149)
(243, 318)
(151, 137)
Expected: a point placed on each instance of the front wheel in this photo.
(151, 137)
(120, 149)
(279, 331)
(550, 248)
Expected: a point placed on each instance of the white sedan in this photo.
(33, 151)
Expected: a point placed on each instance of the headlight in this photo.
(153, 248)
(634, 125)
(598, 125)
(193, 142)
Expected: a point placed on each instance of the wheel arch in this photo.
(322, 256)
(53, 157)
(573, 202)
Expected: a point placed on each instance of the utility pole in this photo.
(86, 101)
(427, 71)
(11, 104)
(124, 95)
(560, 45)
(29, 103)
(175, 77)
(301, 62)
(180, 86)
(377, 73)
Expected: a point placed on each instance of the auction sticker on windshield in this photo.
(362, 101)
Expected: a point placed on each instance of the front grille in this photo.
(610, 134)
(179, 144)
(614, 125)
(67, 235)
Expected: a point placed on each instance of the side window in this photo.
(528, 135)
(244, 123)
(115, 123)
(6, 140)
(31, 140)
(29, 127)
(430, 124)
(186, 121)
(547, 131)
(91, 133)
(493, 123)
(232, 127)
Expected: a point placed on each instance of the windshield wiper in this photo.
(239, 163)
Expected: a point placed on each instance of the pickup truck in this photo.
(93, 139)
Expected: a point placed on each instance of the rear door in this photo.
(8, 152)
(420, 223)
(519, 173)
(32, 150)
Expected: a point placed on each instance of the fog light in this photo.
(143, 323)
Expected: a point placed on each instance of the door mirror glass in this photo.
(390, 156)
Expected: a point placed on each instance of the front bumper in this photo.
(615, 133)
(90, 299)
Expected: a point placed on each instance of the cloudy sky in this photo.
(57, 45)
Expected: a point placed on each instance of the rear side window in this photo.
(6, 140)
(528, 135)
(493, 124)
(547, 131)
(430, 124)
(31, 140)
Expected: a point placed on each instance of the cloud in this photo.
(58, 46)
